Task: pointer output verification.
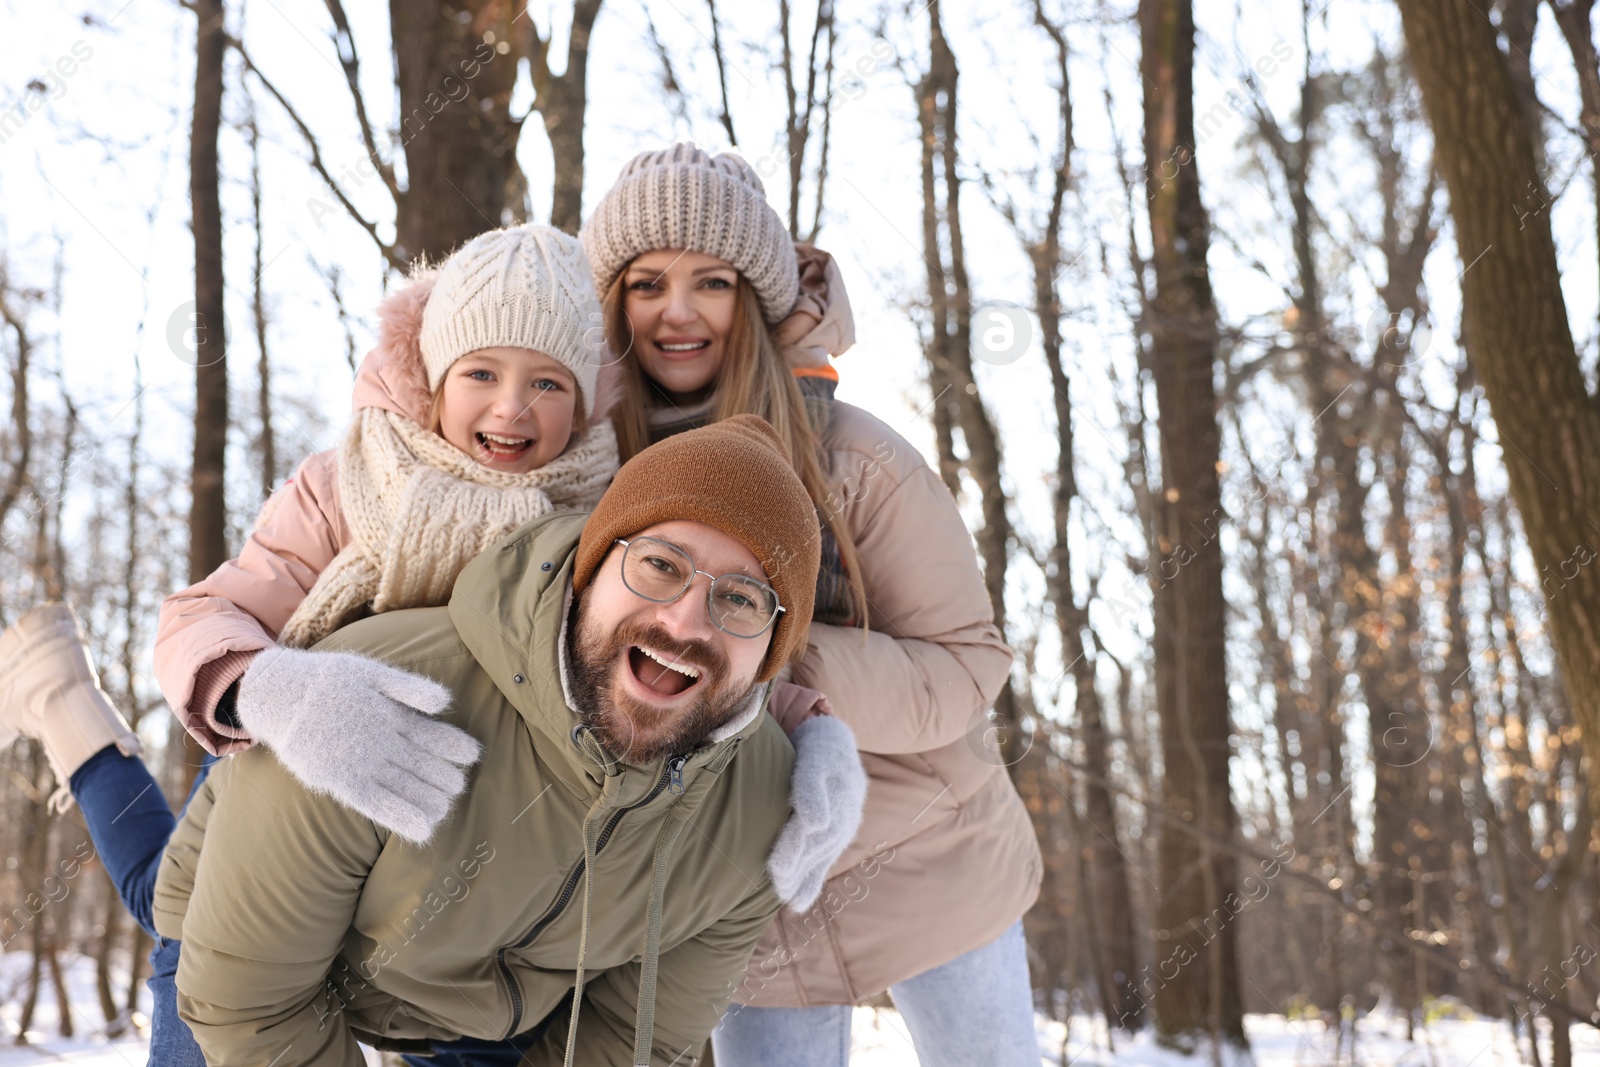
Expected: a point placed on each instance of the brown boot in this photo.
(49, 691)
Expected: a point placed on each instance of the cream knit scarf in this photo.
(419, 510)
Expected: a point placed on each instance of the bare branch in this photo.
(827, 132)
(388, 250)
(722, 73)
(335, 281)
(344, 42)
(669, 78)
(794, 140)
(536, 48)
(258, 315)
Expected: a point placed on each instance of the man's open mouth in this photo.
(661, 674)
(503, 447)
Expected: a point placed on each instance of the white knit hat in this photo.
(521, 287)
(682, 198)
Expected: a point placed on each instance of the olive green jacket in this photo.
(306, 928)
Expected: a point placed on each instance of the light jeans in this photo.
(975, 1011)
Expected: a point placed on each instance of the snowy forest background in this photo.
(1262, 361)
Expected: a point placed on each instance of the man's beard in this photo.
(630, 729)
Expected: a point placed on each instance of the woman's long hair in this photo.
(754, 380)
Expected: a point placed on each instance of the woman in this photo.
(718, 313)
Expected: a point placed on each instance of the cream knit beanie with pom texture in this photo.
(520, 287)
(682, 198)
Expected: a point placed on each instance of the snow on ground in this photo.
(880, 1038)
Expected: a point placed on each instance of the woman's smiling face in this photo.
(680, 306)
(511, 409)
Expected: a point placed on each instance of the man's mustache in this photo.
(701, 655)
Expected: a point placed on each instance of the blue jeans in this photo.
(129, 820)
(470, 1052)
(975, 1011)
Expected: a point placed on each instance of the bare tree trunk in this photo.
(1515, 323)
(562, 100)
(944, 404)
(138, 949)
(258, 313)
(949, 351)
(208, 514)
(22, 425)
(1196, 922)
(35, 851)
(104, 957)
(455, 120)
(722, 72)
(798, 118)
(58, 984)
(1104, 877)
(30, 999)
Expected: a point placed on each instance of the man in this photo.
(602, 882)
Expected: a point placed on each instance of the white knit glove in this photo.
(826, 792)
(360, 731)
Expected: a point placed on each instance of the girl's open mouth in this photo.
(499, 447)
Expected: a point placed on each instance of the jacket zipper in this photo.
(672, 774)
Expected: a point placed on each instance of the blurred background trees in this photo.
(1286, 484)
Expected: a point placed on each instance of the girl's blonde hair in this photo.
(753, 380)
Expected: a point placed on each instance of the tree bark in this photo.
(1515, 327)
(456, 127)
(1195, 923)
(208, 514)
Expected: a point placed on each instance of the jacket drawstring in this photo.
(645, 1014)
(590, 745)
(666, 840)
(591, 826)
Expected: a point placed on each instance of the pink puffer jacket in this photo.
(209, 632)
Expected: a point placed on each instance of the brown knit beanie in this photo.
(734, 476)
(682, 198)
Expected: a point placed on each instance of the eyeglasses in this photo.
(662, 572)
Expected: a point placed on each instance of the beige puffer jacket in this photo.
(946, 859)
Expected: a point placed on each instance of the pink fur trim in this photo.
(398, 357)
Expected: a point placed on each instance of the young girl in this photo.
(463, 420)
(723, 314)
(480, 409)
